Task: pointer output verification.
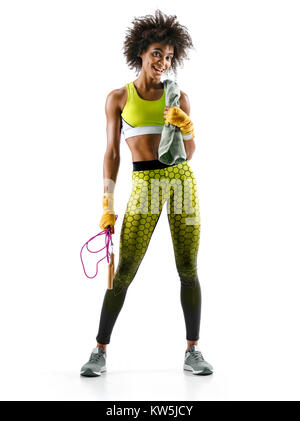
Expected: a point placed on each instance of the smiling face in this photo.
(157, 59)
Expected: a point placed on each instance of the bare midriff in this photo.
(144, 147)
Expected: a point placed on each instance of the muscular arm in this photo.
(111, 160)
(188, 144)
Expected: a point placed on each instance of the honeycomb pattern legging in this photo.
(151, 188)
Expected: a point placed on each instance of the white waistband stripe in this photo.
(130, 131)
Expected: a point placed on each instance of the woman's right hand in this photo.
(107, 221)
(108, 216)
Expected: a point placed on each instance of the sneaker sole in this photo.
(91, 373)
(204, 372)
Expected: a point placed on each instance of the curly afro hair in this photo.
(156, 28)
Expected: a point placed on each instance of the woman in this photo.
(155, 45)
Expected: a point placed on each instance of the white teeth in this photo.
(160, 70)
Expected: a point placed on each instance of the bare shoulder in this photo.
(117, 98)
(184, 102)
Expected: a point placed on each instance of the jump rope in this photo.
(109, 255)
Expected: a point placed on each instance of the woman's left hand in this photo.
(175, 116)
(165, 112)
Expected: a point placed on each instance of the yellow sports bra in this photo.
(141, 116)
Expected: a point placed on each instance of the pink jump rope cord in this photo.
(108, 241)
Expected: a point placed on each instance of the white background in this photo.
(59, 60)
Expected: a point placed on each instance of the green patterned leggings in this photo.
(151, 189)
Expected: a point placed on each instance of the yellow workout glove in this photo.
(108, 216)
(179, 118)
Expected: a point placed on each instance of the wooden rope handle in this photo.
(111, 271)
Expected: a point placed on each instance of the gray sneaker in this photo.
(96, 364)
(195, 362)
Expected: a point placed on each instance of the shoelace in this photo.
(197, 355)
(95, 357)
